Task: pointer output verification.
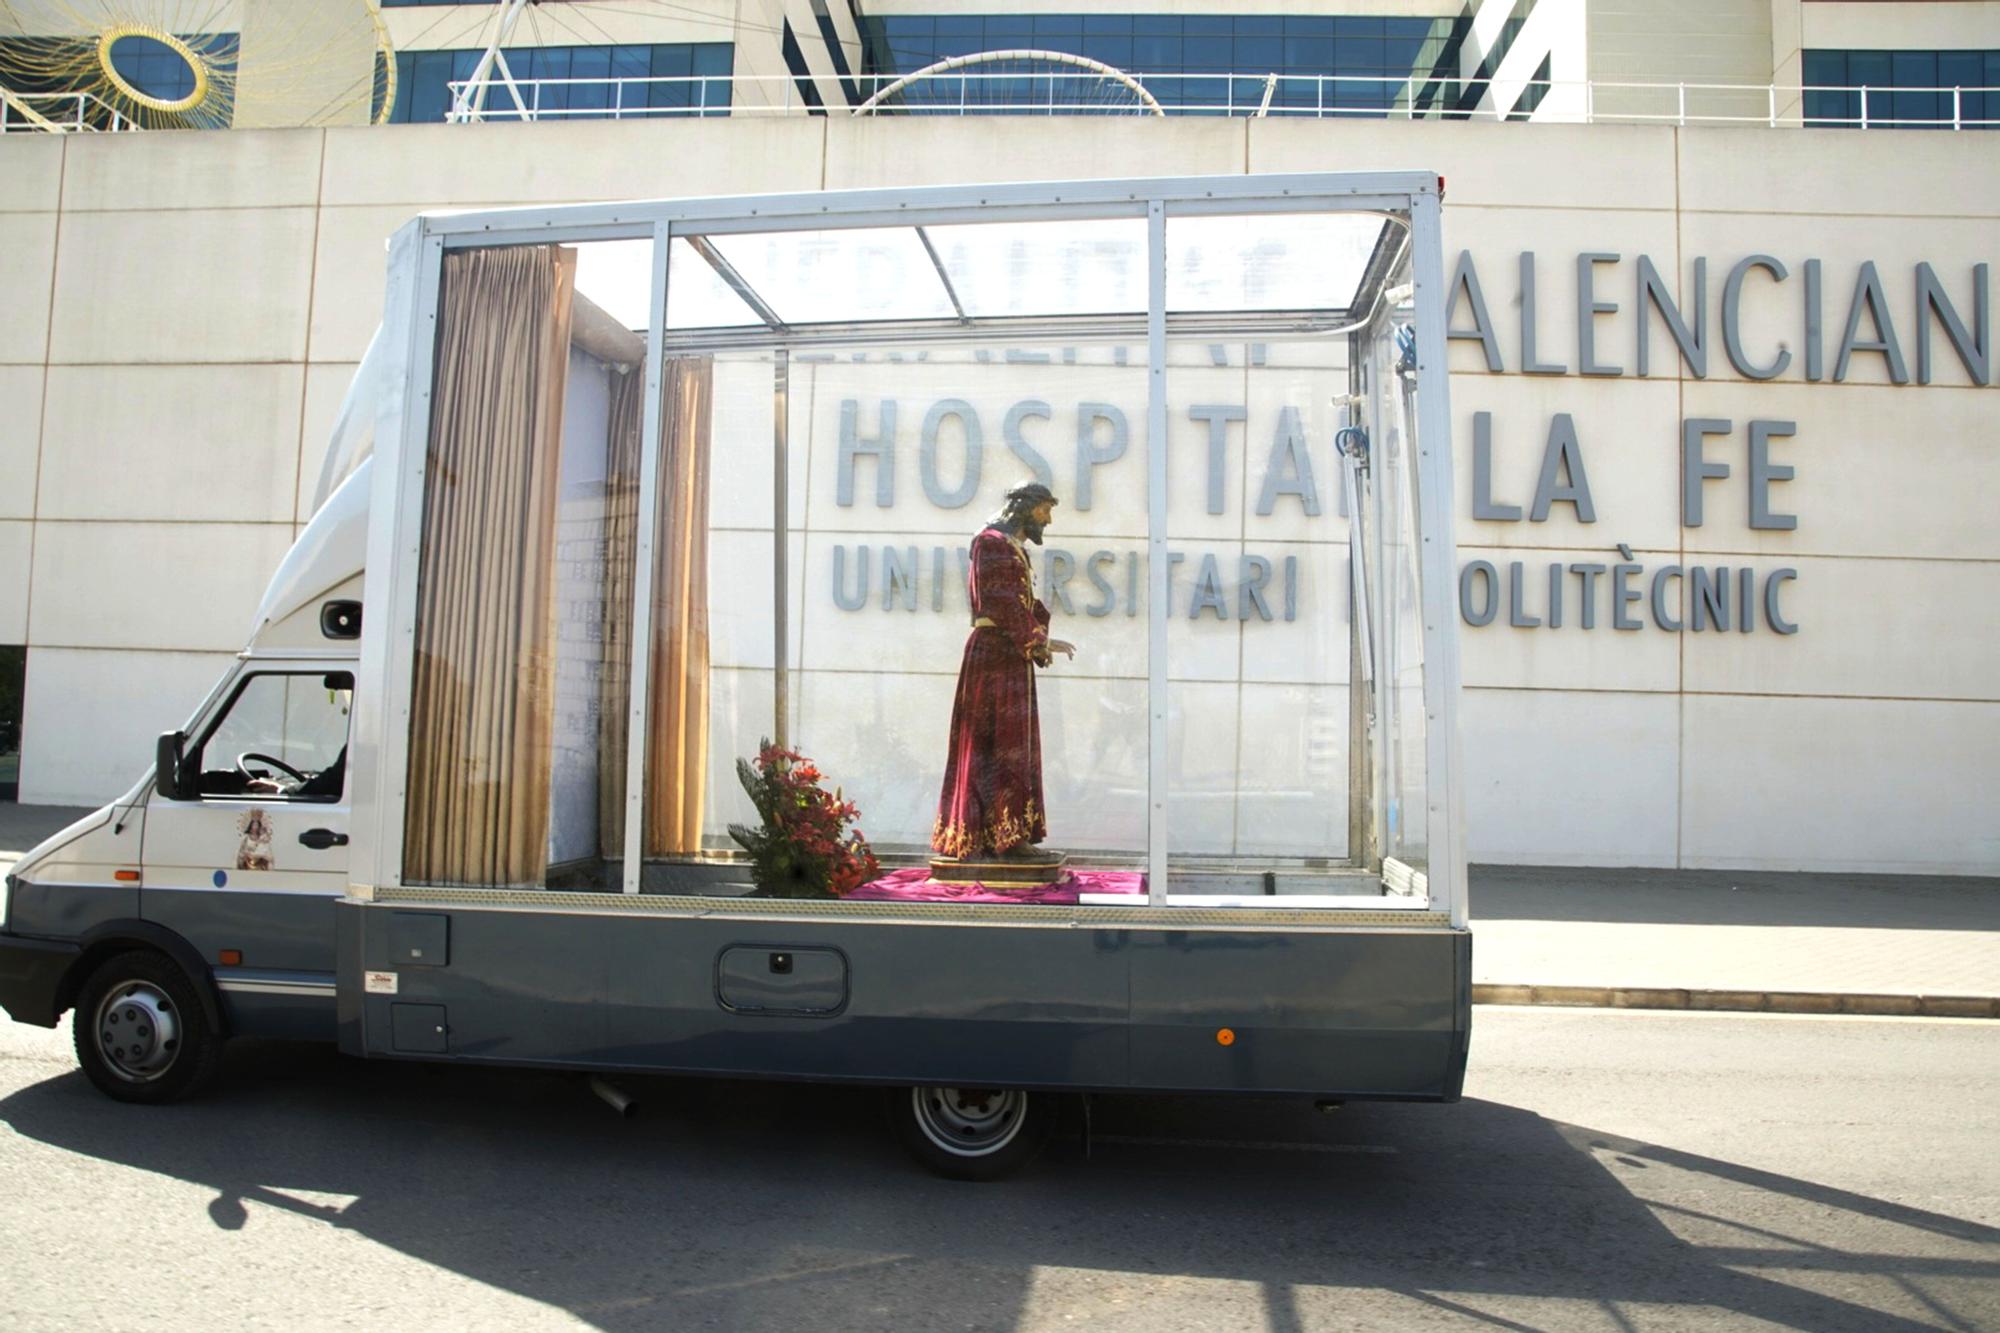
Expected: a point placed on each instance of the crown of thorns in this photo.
(1030, 495)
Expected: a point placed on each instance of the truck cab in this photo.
(199, 904)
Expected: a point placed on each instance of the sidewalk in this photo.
(1675, 939)
(1759, 940)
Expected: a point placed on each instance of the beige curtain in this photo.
(677, 730)
(483, 697)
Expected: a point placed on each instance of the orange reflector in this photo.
(1225, 1036)
(125, 876)
(229, 957)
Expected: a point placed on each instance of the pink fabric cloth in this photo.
(915, 885)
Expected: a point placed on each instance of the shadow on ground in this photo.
(765, 1206)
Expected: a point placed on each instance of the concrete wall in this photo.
(1952, 25)
(1698, 42)
(184, 310)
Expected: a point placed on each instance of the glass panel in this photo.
(1395, 590)
(283, 738)
(517, 743)
(816, 277)
(1046, 268)
(1274, 727)
(617, 276)
(1282, 262)
(1258, 633)
(697, 297)
(944, 735)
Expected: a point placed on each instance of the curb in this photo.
(1745, 1001)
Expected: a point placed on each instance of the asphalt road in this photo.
(1607, 1170)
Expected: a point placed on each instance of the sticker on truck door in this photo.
(379, 983)
(254, 851)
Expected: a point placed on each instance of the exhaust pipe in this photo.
(614, 1097)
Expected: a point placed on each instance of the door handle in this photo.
(319, 839)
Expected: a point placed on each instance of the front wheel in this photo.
(972, 1133)
(141, 1033)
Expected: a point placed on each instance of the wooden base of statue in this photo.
(1001, 872)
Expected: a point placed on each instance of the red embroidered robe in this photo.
(992, 797)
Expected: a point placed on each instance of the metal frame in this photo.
(382, 723)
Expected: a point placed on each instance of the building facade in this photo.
(1721, 395)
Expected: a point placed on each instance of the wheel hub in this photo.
(969, 1122)
(137, 1031)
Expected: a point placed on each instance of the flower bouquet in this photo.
(803, 848)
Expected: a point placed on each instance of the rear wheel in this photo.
(972, 1133)
(141, 1033)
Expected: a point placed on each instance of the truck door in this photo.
(247, 869)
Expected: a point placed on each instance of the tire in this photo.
(972, 1133)
(141, 1032)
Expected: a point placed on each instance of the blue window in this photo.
(1901, 89)
(423, 79)
(1185, 60)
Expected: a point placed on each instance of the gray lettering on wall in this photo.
(1529, 365)
(1588, 308)
(1564, 456)
(1732, 318)
(1208, 590)
(1253, 573)
(1465, 278)
(1586, 577)
(1687, 320)
(1708, 597)
(1290, 469)
(882, 447)
(1662, 616)
(1623, 594)
(1218, 416)
(1717, 598)
(1058, 570)
(1868, 297)
(1690, 337)
(1019, 414)
(1763, 472)
(899, 576)
(1106, 598)
(951, 409)
(1480, 613)
(840, 596)
(1975, 349)
(1090, 454)
(1482, 474)
(1772, 615)
(1517, 603)
(1815, 324)
(1694, 468)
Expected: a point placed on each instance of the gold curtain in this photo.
(677, 715)
(483, 690)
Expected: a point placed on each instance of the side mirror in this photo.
(167, 764)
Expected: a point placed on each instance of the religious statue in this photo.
(991, 812)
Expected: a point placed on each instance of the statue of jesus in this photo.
(991, 806)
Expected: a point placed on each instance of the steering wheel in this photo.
(243, 766)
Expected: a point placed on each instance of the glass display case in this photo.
(1010, 547)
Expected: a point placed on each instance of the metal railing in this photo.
(58, 113)
(1331, 96)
